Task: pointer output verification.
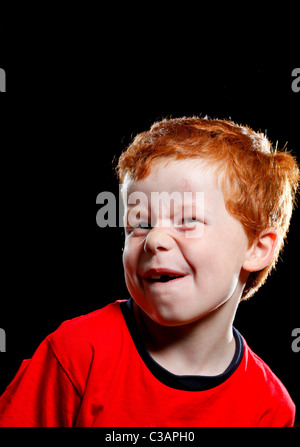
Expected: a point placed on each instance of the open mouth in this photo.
(163, 278)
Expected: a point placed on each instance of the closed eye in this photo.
(139, 226)
(145, 225)
(190, 220)
(190, 223)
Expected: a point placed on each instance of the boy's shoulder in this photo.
(81, 335)
(264, 384)
(79, 342)
(262, 372)
(91, 318)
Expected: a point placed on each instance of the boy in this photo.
(207, 208)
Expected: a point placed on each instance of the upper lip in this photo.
(161, 271)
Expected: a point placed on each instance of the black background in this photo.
(65, 119)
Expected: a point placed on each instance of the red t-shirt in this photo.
(95, 371)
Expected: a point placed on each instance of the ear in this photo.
(261, 252)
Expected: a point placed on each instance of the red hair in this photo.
(259, 183)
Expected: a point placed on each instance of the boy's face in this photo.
(181, 261)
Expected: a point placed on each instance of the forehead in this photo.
(191, 175)
(192, 180)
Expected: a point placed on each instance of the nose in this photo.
(158, 239)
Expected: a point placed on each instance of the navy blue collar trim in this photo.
(185, 383)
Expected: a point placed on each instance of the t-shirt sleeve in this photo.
(41, 394)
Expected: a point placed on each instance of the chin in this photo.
(168, 318)
(163, 317)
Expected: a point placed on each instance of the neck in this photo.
(204, 347)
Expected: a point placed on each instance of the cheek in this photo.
(235, 248)
(218, 256)
(128, 271)
(130, 261)
(201, 254)
(229, 255)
